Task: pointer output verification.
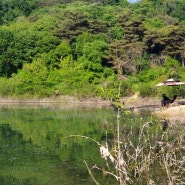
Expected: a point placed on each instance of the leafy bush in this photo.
(147, 90)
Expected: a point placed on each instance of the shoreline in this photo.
(127, 101)
(173, 113)
(64, 102)
(69, 102)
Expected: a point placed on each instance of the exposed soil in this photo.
(65, 102)
(127, 102)
(173, 113)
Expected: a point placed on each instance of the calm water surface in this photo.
(36, 147)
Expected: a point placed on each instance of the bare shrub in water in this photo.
(146, 160)
(172, 159)
(152, 158)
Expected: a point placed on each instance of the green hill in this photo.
(78, 48)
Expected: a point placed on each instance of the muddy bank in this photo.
(174, 113)
(69, 101)
(59, 101)
(140, 102)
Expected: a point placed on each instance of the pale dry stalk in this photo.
(173, 161)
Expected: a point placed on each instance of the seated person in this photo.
(166, 100)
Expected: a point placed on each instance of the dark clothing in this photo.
(166, 101)
(165, 98)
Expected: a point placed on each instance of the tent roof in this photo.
(171, 82)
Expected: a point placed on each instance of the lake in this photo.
(39, 144)
(36, 147)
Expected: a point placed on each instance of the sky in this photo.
(133, 1)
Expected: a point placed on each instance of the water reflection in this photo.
(35, 148)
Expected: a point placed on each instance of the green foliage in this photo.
(71, 78)
(172, 67)
(8, 87)
(5, 51)
(153, 23)
(11, 9)
(152, 74)
(90, 52)
(147, 90)
(175, 8)
(108, 89)
(171, 63)
(31, 80)
(62, 51)
(82, 45)
(20, 44)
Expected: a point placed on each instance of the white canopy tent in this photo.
(171, 82)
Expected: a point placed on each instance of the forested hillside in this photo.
(68, 47)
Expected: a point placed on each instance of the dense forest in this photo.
(85, 48)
